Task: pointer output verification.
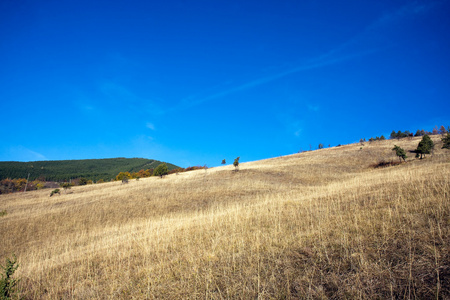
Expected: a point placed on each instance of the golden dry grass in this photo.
(314, 225)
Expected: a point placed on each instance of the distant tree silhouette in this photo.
(224, 161)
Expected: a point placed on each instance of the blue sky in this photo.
(195, 82)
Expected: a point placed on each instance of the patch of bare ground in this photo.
(315, 225)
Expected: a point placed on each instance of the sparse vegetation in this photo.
(3, 212)
(7, 283)
(314, 225)
(384, 164)
(446, 139)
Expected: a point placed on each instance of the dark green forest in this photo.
(64, 170)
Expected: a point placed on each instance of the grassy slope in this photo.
(316, 225)
(93, 169)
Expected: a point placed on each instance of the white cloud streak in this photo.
(330, 58)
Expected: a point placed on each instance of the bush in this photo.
(8, 284)
(3, 213)
(384, 164)
(66, 186)
(122, 175)
(55, 191)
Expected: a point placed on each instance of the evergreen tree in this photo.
(400, 152)
(393, 135)
(161, 170)
(224, 161)
(446, 140)
(424, 147)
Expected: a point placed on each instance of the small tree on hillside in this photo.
(400, 152)
(224, 161)
(424, 147)
(161, 170)
(446, 140)
(236, 163)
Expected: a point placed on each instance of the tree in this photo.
(435, 130)
(446, 140)
(442, 130)
(424, 147)
(393, 135)
(122, 175)
(400, 152)
(236, 163)
(320, 146)
(224, 161)
(161, 170)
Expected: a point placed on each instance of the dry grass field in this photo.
(314, 225)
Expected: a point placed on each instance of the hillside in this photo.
(62, 170)
(323, 224)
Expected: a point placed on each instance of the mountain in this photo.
(61, 170)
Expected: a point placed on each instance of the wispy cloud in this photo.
(150, 126)
(310, 65)
(344, 52)
(408, 10)
(22, 153)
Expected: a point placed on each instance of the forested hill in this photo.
(61, 170)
